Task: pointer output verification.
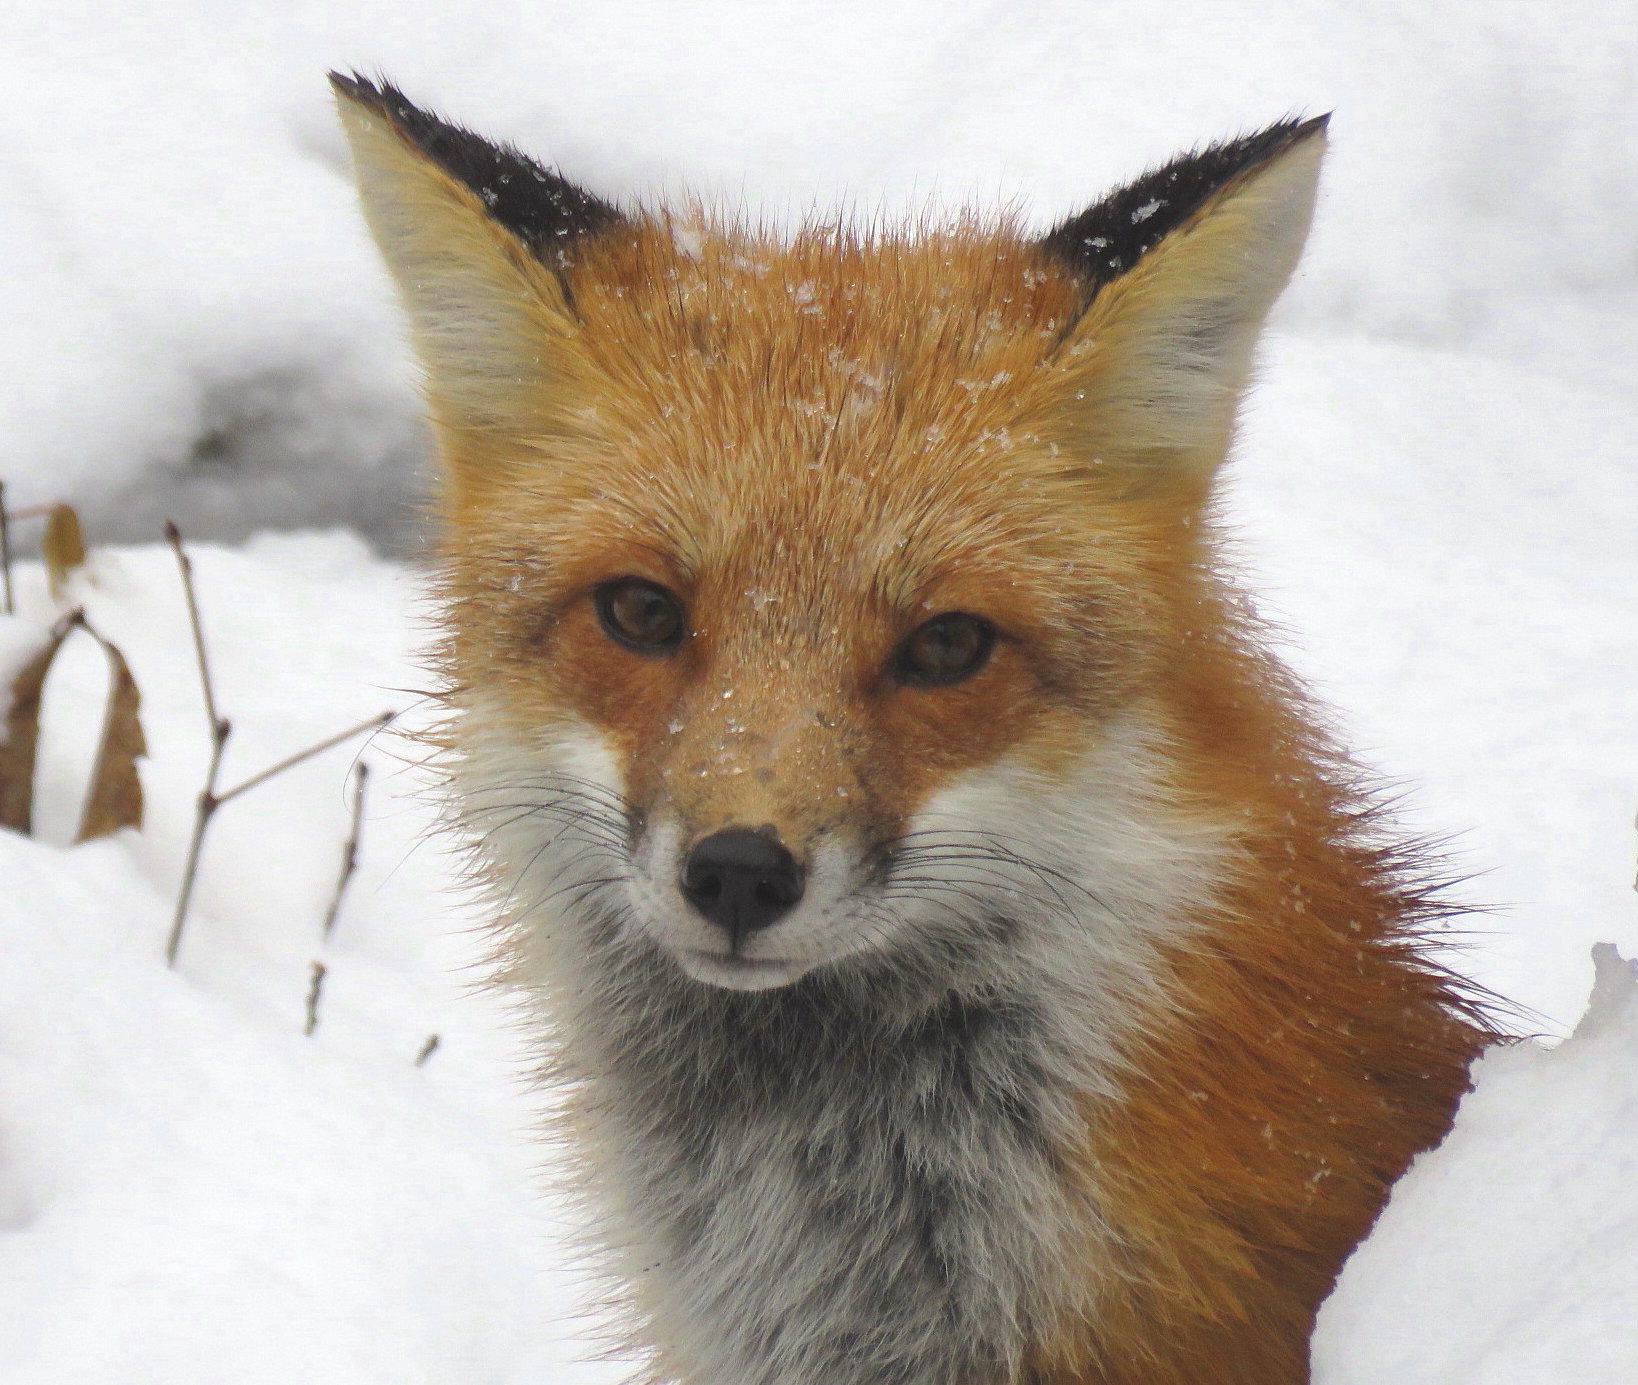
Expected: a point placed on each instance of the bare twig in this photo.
(375, 723)
(5, 551)
(427, 1050)
(349, 855)
(210, 801)
(314, 991)
(173, 536)
(207, 806)
(220, 730)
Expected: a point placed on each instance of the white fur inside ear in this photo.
(481, 311)
(1162, 355)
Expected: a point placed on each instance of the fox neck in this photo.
(821, 1197)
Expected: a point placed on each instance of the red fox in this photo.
(965, 956)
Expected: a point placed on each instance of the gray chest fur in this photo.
(815, 1190)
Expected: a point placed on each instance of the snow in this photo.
(1435, 487)
(1477, 617)
(1507, 1254)
(185, 1179)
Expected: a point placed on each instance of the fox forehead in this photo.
(766, 341)
(872, 415)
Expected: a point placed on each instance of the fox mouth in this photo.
(734, 972)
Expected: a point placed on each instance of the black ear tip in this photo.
(543, 210)
(353, 85)
(378, 93)
(1107, 239)
(1271, 140)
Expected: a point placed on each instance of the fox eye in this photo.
(945, 649)
(642, 616)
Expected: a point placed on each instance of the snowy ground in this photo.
(1437, 488)
(186, 1181)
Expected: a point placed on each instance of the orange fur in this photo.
(1312, 1053)
(1332, 1036)
(818, 442)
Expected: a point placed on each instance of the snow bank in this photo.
(1506, 1256)
(188, 1187)
(188, 1184)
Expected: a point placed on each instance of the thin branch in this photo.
(220, 730)
(207, 806)
(427, 1050)
(210, 801)
(314, 991)
(5, 551)
(375, 723)
(173, 536)
(349, 855)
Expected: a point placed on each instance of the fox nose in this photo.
(741, 880)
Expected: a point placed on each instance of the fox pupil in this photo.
(640, 615)
(945, 649)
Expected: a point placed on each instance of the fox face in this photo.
(785, 627)
(799, 559)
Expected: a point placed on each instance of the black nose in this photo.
(741, 880)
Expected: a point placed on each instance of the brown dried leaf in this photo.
(114, 799)
(23, 735)
(63, 547)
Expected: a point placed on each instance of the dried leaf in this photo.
(63, 547)
(114, 799)
(23, 735)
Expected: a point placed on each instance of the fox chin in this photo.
(964, 956)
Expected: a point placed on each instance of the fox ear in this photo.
(479, 238)
(1180, 268)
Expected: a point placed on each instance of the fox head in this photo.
(828, 600)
